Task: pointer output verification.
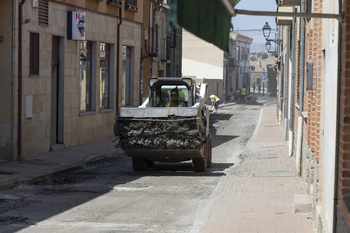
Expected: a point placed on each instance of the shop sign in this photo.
(76, 25)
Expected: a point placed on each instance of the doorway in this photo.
(127, 76)
(57, 93)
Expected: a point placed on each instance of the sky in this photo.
(255, 23)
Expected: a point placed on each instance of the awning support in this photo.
(339, 17)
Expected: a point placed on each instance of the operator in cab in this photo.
(174, 99)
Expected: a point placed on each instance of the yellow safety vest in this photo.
(214, 99)
(180, 104)
(243, 91)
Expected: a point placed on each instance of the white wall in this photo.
(201, 70)
(330, 43)
(200, 58)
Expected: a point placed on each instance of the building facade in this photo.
(161, 47)
(239, 76)
(313, 93)
(59, 78)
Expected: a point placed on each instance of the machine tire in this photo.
(209, 150)
(139, 164)
(200, 164)
(150, 163)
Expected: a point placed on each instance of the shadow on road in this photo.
(182, 169)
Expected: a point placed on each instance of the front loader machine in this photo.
(153, 132)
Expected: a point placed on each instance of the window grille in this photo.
(43, 13)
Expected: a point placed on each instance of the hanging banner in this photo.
(76, 25)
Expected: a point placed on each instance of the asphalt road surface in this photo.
(109, 196)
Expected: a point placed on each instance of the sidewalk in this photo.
(47, 163)
(258, 195)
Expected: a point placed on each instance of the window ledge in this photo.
(86, 113)
(34, 75)
(106, 110)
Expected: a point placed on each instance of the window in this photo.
(117, 3)
(127, 76)
(105, 77)
(131, 5)
(34, 54)
(85, 76)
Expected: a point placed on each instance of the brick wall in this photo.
(313, 97)
(344, 119)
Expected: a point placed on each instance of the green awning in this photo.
(207, 19)
(234, 2)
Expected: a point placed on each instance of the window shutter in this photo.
(43, 13)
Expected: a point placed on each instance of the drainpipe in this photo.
(19, 116)
(225, 74)
(292, 89)
(13, 75)
(281, 80)
(141, 80)
(286, 79)
(118, 59)
(301, 91)
(336, 165)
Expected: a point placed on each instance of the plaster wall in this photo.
(7, 80)
(328, 120)
(78, 127)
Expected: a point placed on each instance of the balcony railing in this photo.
(117, 3)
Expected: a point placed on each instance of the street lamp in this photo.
(266, 30)
(268, 45)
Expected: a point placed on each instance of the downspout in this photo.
(285, 91)
(19, 115)
(301, 92)
(141, 80)
(141, 66)
(336, 164)
(118, 58)
(281, 92)
(225, 74)
(292, 90)
(13, 75)
(151, 13)
(278, 84)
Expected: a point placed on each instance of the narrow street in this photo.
(109, 196)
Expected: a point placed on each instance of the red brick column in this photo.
(344, 118)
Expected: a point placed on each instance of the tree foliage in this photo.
(264, 56)
(253, 58)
